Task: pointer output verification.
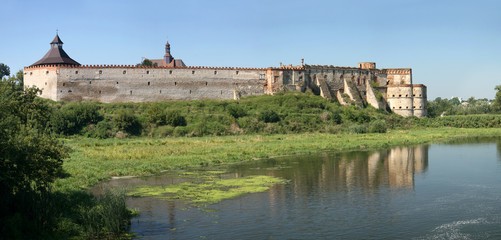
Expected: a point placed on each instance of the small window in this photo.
(237, 72)
(31, 73)
(131, 92)
(90, 82)
(61, 91)
(117, 83)
(148, 83)
(46, 72)
(221, 92)
(99, 91)
(406, 95)
(190, 91)
(64, 84)
(160, 91)
(45, 83)
(407, 107)
(400, 95)
(215, 72)
(124, 72)
(205, 83)
(393, 95)
(400, 107)
(76, 72)
(70, 91)
(100, 71)
(170, 72)
(147, 72)
(192, 72)
(420, 95)
(175, 83)
(413, 95)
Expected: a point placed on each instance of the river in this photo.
(440, 191)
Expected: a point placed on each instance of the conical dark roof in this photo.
(56, 55)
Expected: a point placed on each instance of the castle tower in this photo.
(167, 57)
(56, 55)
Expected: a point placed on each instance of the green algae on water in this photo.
(210, 191)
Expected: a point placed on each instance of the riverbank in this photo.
(93, 160)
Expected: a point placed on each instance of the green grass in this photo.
(93, 160)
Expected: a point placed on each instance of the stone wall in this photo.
(137, 84)
(142, 84)
(400, 99)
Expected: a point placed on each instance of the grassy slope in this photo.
(93, 160)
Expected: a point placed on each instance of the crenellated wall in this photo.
(139, 84)
(127, 83)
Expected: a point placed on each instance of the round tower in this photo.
(419, 93)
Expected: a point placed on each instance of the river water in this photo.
(441, 191)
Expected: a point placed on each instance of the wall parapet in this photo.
(144, 67)
(396, 70)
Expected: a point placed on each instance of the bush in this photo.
(127, 121)
(155, 115)
(101, 130)
(73, 117)
(175, 119)
(236, 111)
(268, 116)
(378, 126)
(357, 129)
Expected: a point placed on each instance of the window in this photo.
(31, 73)
(192, 72)
(64, 84)
(170, 72)
(175, 83)
(90, 82)
(148, 83)
(215, 72)
(221, 92)
(131, 92)
(124, 72)
(190, 91)
(99, 91)
(45, 83)
(70, 91)
(100, 71)
(117, 83)
(147, 72)
(46, 72)
(205, 83)
(237, 72)
(76, 72)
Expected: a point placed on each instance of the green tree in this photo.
(147, 63)
(496, 104)
(4, 70)
(30, 158)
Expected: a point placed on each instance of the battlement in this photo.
(396, 71)
(145, 67)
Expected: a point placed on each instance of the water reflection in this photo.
(344, 171)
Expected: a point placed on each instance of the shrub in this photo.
(102, 129)
(378, 126)
(357, 129)
(72, 117)
(127, 121)
(155, 115)
(174, 118)
(268, 116)
(236, 111)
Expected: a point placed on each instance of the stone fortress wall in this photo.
(62, 78)
(140, 84)
(381, 88)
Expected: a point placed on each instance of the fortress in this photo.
(62, 78)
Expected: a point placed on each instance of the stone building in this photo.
(62, 78)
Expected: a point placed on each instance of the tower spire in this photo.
(168, 57)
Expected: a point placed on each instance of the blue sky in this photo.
(453, 47)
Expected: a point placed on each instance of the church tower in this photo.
(167, 57)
